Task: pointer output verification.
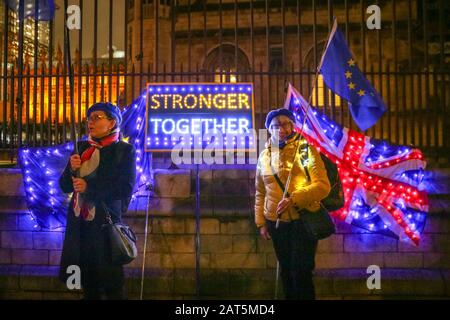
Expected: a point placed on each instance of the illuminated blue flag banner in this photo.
(199, 116)
(46, 8)
(344, 78)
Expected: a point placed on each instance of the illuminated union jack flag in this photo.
(381, 181)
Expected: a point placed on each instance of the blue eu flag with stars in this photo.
(343, 77)
(45, 8)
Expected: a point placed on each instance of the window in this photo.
(221, 62)
(318, 96)
(225, 75)
(276, 58)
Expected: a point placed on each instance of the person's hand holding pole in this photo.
(75, 162)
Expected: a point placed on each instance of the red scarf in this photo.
(82, 207)
(105, 141)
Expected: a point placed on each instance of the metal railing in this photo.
(269, 43)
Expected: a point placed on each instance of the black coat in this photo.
(112, 184)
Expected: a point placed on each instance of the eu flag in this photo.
(344, 78)
(45, 8)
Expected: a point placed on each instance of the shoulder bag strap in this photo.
(277, 178)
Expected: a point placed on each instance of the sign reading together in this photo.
(200, 115)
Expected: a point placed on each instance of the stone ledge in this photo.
(438, 206)
(40, 282)
(210, 206)
(176, 189)
(13, 204)
(11, 182)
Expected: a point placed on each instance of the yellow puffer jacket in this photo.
(304, 193)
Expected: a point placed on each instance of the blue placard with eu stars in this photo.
(199, 116)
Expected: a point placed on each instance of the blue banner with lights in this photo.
(219, 115)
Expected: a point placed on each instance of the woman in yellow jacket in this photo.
(294, 250)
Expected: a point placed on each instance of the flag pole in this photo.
(73, 133)
(316, 76)
(19, 99)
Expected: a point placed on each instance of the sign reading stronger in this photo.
(219, 115)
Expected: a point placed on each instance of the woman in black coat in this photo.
(102, 175)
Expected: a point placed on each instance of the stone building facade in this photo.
(270, 43)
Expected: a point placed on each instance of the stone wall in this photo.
(235, 262)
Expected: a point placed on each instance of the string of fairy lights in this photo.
(42, 166)
(381, 182)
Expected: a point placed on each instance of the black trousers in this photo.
(99, 278)
(295, 253)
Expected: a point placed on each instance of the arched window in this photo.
(221, 63)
